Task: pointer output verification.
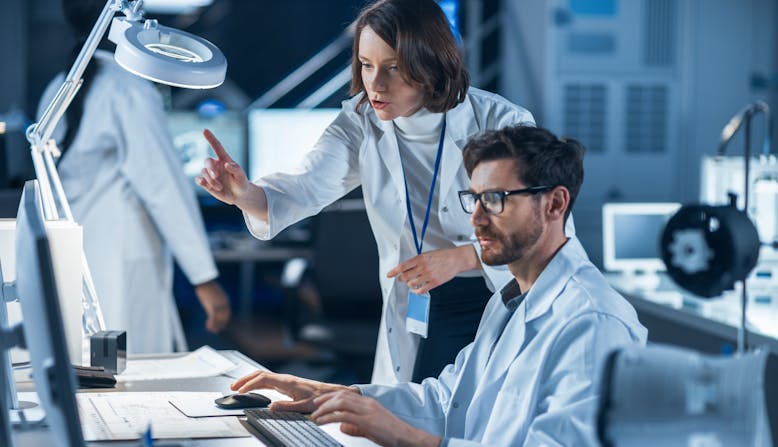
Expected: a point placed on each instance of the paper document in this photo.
(204, 362)
(125, 416)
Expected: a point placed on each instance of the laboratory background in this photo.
(666, 96)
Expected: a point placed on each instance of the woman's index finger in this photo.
(221, 153)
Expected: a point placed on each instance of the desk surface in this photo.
(717, 316)
(242, 247)
(41, 437)
(267, 253)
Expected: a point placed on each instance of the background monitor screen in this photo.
(631, 235)
(44, 331)
(279, 138)
(186, 128)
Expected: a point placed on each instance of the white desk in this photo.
(41, 437)
(719, 317)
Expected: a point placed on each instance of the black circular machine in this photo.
(708, 248)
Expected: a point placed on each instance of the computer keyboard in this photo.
(288, 429)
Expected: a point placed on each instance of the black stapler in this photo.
(94, 377)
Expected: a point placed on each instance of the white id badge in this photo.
(418, 313)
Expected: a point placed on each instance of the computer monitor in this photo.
(44, 332)
(631, 235)
(279, 138)
(186, 129)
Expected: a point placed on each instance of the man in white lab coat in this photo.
(530, 377)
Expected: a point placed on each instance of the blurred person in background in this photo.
(125, 185)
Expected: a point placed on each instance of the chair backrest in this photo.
(345, 264)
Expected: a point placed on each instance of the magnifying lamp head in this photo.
(167, 55)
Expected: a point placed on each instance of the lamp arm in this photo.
(43, 149)
(40, 132)
(768, 135)
(747, 115)
(743, 119)
(737, 121)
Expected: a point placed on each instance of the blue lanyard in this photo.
(416, 241)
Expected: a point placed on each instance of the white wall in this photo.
(525, 52)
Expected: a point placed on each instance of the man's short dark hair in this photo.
(429, 57)
(539, 156)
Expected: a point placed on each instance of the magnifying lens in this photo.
(166, 55)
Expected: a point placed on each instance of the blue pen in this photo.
(148, 440)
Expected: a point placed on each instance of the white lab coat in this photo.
(360, 149)
(125, 185)
(535, 382)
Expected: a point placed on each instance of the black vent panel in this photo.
(585, 114)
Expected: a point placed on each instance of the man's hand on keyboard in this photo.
(366, 417)
(302, 391)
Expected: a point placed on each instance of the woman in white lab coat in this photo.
(124, 182)
(412, 105)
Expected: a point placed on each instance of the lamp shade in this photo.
(167, 55)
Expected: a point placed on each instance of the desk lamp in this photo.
(707, 249)
(145, 48)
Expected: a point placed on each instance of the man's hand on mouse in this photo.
(302, 391)
(239, 401)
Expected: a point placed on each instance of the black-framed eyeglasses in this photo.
(494, 201)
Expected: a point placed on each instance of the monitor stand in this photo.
(641, 280)
(11, 338)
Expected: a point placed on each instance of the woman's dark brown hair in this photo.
(429, 57)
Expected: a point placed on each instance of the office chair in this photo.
(333, 301)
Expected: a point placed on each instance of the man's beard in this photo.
(510, 247)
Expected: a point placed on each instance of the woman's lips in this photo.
(379, 105)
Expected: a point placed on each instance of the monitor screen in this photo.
(631, 235)
(279, 138)
(186, 128)
(44, 331)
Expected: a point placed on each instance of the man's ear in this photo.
(558, 202)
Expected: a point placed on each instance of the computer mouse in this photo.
(237, 401)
